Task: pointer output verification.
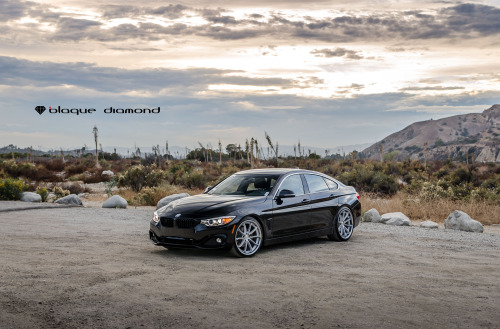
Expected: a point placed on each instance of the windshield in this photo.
(245, 185)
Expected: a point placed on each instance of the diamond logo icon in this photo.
(40, 109)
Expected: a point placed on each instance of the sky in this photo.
(325, 73)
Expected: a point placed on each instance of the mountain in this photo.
(473, 136)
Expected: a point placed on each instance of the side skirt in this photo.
(294, 237)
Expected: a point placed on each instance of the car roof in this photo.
(275, 171)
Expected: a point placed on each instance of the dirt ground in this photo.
(95, 268)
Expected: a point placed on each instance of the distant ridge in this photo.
(473, 136)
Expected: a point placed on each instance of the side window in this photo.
(316, 183)
(293, 183)
(331, 184)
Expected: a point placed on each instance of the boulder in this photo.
(31, 197)
(371, 215)
(166, 200)
(115, 201)
(458, 220)
(396, 219)
(429, 224)
(71, 199)
(108, 173)
(51, 197)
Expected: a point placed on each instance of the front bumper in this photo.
(198, 236)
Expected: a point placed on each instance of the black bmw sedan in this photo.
(259, 207)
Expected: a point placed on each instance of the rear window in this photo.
(331, 184)
(316, 183)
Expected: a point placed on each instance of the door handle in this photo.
(305, 200)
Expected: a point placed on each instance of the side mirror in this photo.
(208, 189)
(285, 194)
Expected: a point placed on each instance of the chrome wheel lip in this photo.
(345, 223)
(248, 237)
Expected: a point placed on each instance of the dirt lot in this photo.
(95, 268)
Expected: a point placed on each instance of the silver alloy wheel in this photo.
(345, 223)
(248, 237)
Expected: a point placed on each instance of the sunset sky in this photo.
(326, 73)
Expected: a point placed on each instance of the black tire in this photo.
(248, 238)
(343, 225)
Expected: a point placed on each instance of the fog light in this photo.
(218, 240)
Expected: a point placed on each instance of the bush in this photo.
(141, 176)
(149, 196)
(134, 178)
(54, 165)
(11, 189)
(73, 188)
(59, 192)
(431, 192)
(43, 193)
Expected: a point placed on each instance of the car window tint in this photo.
(294, 184)
(247, 185)
(331, 184)
(316, 183)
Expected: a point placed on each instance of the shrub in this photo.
(194, 180)
(92, 178)
(11, 189)
(149, 196)
(384, 184)
(134, 178)
(109, 185)
(141, 176)
(59, 192)
(431, 192)
(76, 168)
(73, 188)
(54, 165)
(155, 178)
(43, 193)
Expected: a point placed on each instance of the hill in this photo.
(472, 137)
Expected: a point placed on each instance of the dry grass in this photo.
(436, 210)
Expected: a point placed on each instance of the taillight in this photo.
(357, 195)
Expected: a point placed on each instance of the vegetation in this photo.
(154, 176)
(11, 189)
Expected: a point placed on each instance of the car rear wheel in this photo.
(247, 238)
(343, 225)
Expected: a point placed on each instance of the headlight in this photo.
(156, 218)
(217, 221)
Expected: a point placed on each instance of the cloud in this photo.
(464, 21)
(13, 9)
(337, 52)
(108, 79)
(436, 88)
(170, 11)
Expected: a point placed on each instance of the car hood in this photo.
(205, 203)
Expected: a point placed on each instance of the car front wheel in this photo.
(247, 238)
(343, 225)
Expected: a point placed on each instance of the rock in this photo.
(31, 197)
(51, 197)
(83, 195)
(458, 220)
(371, 215)
(396, 219)
(115, 201)
(107, 173)
(72, 199)
(429, 224)
(166, 200)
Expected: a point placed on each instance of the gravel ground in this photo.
(95, 268)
